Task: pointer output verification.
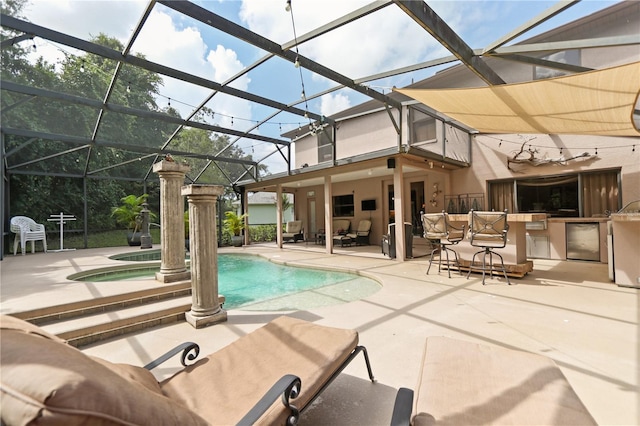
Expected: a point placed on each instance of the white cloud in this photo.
(225, 63)
(392, 39)
(81, 19)
(161, 41)
(184, 48)
(333, 103)
(88, 17)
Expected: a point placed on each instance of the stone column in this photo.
(172, 264)
(205, 308)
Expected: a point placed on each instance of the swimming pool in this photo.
(251, 282)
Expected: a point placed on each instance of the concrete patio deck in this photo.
(568, 311)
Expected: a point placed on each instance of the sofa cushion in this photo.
(467, 383)
(224, 386)
(44, 380)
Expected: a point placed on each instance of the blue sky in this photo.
(385, 40)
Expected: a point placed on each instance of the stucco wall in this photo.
(490, 153)
(374, 188)
(306, 151)
(374, 131)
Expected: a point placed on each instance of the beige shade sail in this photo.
(597, 102)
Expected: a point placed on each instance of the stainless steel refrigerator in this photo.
(583, 241)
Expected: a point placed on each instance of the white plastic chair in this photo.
(26, 229)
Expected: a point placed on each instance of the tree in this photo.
(52, 182)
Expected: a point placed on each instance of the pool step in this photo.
(89, 321)
(87, 329)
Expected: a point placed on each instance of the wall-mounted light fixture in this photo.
(434, 197)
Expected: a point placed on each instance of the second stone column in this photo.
(203, 239)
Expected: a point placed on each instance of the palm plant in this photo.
(234, 223)
(128, 213)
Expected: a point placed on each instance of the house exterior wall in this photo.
(375, 188)
(265, 214)
(262, 209)
(373, 131)
(489, 152)
(306, 151)
(368, 133)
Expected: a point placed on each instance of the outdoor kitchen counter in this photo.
(515, 252)
(578, 219)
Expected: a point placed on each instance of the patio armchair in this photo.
(267, 377)
(361, 235)
(466, 383)
(26, 229)
(442, 234)
(293, 231)
(341, 227)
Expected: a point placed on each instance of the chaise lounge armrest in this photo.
(402, 408)
(189, 351)
(287, 388)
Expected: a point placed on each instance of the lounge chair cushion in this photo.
(293, 231)
(283, 346)
(341, 226)
(464, 383)
(294, 227)
(47, 381)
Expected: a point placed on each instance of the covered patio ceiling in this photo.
(278, 107)
(365, 168)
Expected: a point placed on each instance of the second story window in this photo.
(325, 147)
(423, 127)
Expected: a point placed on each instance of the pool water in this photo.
(253, 283)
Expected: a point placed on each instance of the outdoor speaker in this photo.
(391, 163)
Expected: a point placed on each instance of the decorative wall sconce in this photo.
(434, 197)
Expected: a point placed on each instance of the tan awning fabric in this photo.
(593, 103)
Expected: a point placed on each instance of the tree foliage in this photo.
(53, 174)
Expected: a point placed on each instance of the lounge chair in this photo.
(361, 236)
(293, 231)
(466, 383)
(26, 229)
(45, 379)
(341, 228)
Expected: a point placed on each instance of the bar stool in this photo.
(440, 232)
(488, 230)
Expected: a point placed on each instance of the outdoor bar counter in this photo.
(515, 252)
